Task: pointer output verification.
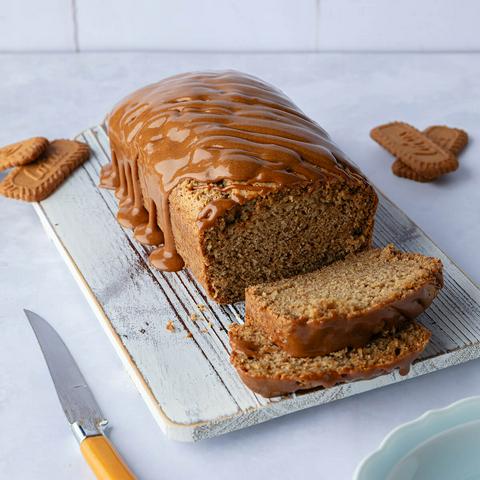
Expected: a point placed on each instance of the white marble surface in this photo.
(59, 95)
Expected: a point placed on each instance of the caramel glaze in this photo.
(308, 338)
(209, 128)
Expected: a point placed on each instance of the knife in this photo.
(79, 404)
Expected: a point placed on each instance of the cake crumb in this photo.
(189, 335)
(193, 317)
(201, 307)
(209, 324)
(170, 326)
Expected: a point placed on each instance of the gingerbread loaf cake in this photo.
(270, 371)
(221, 172)
(345, 303)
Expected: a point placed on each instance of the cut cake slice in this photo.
(346, 303)
(270, 371)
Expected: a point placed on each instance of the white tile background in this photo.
(240, 25)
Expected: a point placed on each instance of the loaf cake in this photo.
(270, 371)
(346, 303)
(223, 173)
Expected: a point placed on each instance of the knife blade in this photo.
(77, 400)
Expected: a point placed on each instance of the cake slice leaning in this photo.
(270, 371)
(346, 303)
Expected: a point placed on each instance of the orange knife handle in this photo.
(104, 460)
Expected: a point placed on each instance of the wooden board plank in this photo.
(185, 376)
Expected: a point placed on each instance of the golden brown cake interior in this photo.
(345, 303)
(295, 230)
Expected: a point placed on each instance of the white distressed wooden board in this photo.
(188, 383)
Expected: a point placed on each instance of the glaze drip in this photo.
(109, 175)
(131, 212)
(214, 210)
(210, 128)
(149, 233)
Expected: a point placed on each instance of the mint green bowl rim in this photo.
(408, 436)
